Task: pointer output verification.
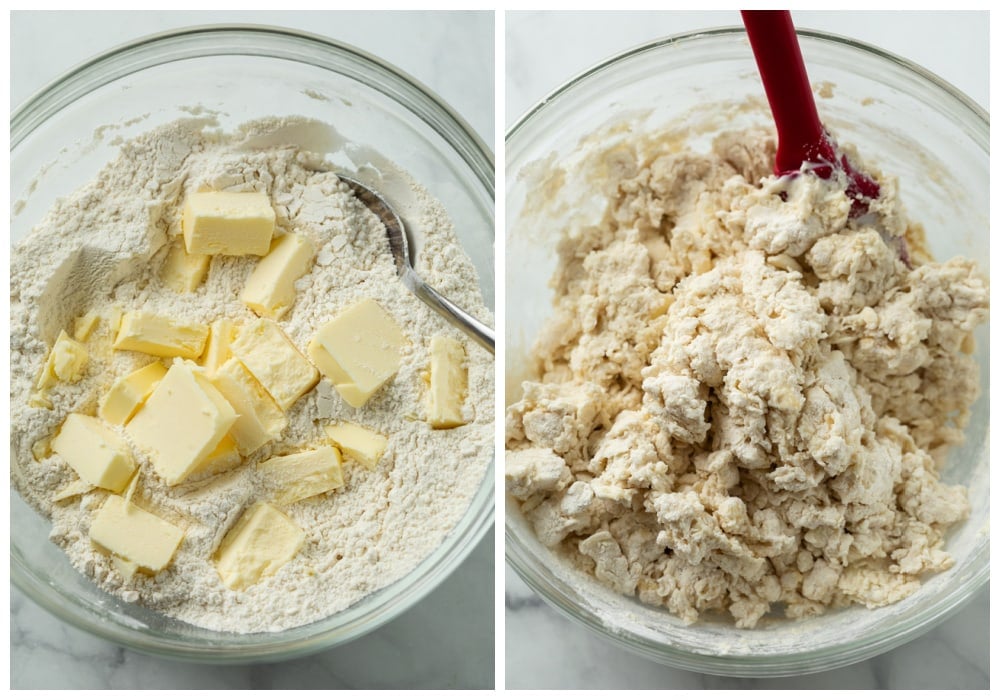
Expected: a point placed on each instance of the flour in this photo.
(744, 396)
(100, 250)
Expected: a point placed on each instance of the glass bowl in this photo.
(905, 119)
(61, 137)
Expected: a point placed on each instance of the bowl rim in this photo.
(406, 91)
(46, 101)
(837, 655)
(728, 31)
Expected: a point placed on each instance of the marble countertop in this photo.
(447, 639)
(546, 650)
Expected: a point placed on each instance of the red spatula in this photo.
(803, 143)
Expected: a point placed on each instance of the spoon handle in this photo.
(779, 59)
(452, 312)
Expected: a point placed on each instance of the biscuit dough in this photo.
(744, 396)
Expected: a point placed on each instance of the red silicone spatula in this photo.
(803, 143)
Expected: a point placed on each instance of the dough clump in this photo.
(744, 396)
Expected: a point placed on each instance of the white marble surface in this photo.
(447, 639)
(546, 650)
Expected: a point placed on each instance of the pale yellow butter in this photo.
(127, 393)
(65, 362)
(124, 567)
(41, 448)
(448, 383)
(364, 445)
(224, 457)
(263, 540)
(85, 325)
(260, 418)
(135, 535)
(220, 335)
(182, 421)
(228, 223)
(183, 271)
(274, 361)
(270, 288)
(304, 474)
(94, 452)
(359, 350)
(114, 316)
(77, 487)
(156, 335)
(40, 399)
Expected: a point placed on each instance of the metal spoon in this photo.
(396, 232)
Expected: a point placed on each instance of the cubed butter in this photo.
(270, 289)
(182, 421)
(85, 325)
(260, 419)
(359, 350)
(41, 448)
(274, 361)
(40, 399)
(65, 362)
(361, 444)
(303, 474)
(183, 271)
(135, 535)
(127, 394)
(114, 316)
(448, 383)
(157, 335)
(263, 540)
(224, 457)
(94, 452)
(220, 335)
(228, 223)
(77, 487)
(124, 567)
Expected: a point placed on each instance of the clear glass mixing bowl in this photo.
(65, 133)
(908, 121)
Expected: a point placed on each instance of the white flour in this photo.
(102, 248)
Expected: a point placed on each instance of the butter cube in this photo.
(135, 535)
(114, 315)
(65, 362)
(359, 350)
(364, 445)
(155, 335)
(94, 452)
(224, 457)
(270, 288)
(262, 541)
(304, 474)
(77, 487)
(41, 448)
(127, 394)
(124, 567)
(183, 271)
(228, 223)
(182, 421)
(260, 418)
(220, 335)
(448, 383)
(274, 361)
(84, 326)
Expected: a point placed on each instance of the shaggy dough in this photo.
(744, 396)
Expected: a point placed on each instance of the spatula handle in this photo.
(783, 72)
